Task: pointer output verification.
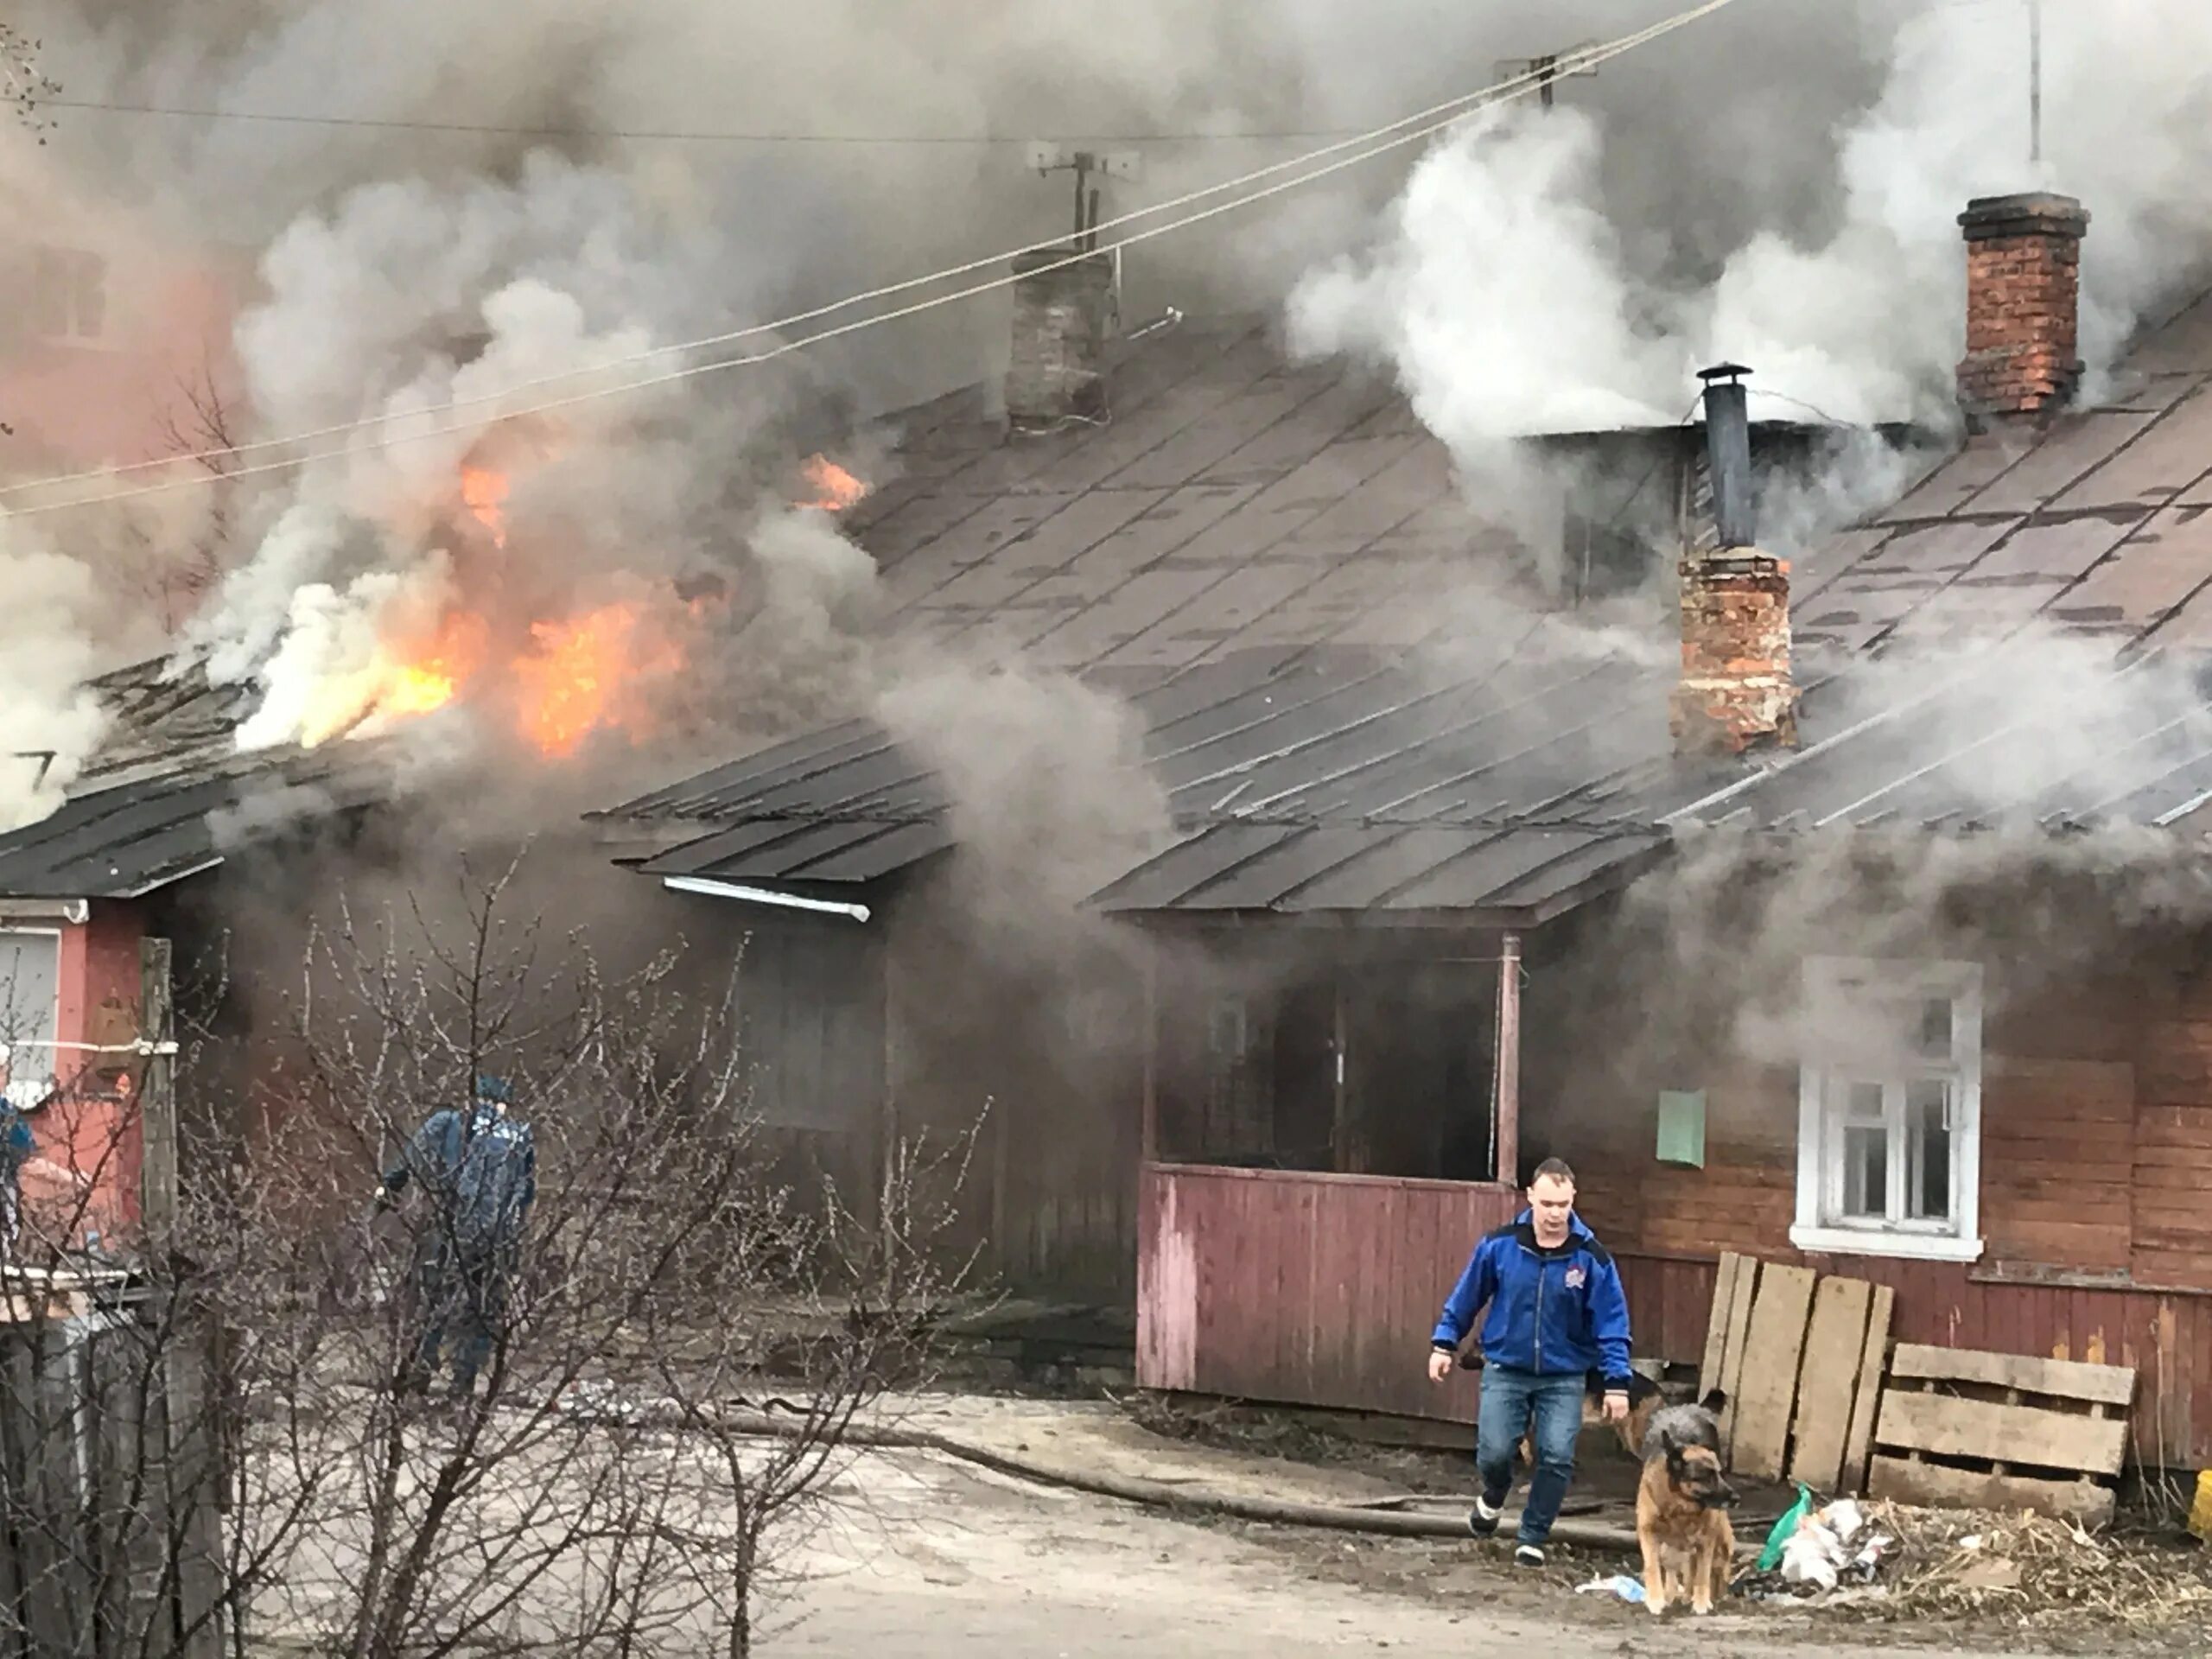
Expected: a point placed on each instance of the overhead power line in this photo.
(1381, 140)
(674, 135)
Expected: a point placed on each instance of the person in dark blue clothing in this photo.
(479, 1169)
(1557, 1315)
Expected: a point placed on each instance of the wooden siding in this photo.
(1042, 1061)
(2057, 1162)
(1303, 1289)
(810, 1025)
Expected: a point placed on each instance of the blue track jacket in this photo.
(1555, 1312)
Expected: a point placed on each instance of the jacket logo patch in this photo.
(1575, 1278)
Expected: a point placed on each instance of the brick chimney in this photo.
(2024, 271)
(1736, 692)
(1063, 306)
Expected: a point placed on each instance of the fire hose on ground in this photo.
(1174, 1496)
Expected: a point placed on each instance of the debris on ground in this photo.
(1623, 1585)
(1832, 1545)
(1952, 1563)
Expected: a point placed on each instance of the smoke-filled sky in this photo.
(1776, 184)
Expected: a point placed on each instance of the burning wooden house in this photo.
(1424, 903)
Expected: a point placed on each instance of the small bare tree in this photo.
(672, 1361)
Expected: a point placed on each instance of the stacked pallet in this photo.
(2002, 1431)
(1800, 1356)
(1814, 1393)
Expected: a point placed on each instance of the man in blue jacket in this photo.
(1556, 1317)
(480, 1167)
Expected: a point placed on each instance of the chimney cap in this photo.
(1731, 373)
(2030, 213)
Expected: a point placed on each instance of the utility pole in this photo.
(1048, 157)
(1546, 69)
(2035, 82)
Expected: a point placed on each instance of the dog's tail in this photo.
(1715, 1399)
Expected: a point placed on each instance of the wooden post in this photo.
(1148, 1122)
(157, 1164)
(1340, 1147)
(1508, 1061)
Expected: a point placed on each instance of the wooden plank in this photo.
(1950, 1426)
(55, 1565)
(157, 1097)
(1770, 1373)
(1967, 1489)
(1716, 1324)
(2064, 1379)
(14, 1584)
(1732, 1353)
(195, 1488)
(1827, 1380)
(1858, 1442)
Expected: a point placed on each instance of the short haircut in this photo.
(1556, 1167)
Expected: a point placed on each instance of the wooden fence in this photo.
(111, 1541)
(1303, 1289)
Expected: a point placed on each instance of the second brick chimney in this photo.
(2024, 284)
(1062, 309)
(1736, 691)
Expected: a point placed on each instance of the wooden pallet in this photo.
(2002, 1431)
(1800, 1357)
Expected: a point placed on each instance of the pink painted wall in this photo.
(86, 1176)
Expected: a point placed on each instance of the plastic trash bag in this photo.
(1813, 1554)
(1771, 1557)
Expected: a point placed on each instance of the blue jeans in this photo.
(1510, 1399)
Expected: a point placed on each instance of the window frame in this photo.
(1820, 1228)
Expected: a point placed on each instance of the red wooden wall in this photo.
(1321, 1290)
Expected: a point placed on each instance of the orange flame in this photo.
(585, 674)
(484, 493)
(834, 489)
(405, 677)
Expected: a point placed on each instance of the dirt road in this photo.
(935, 1560)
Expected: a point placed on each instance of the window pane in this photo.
(1866, 1170)
(49, 298)
(1862, 1102)
(1935, 1026)
(30, 968)
(1928, 1150)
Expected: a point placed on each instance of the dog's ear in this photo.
(1715, 1399)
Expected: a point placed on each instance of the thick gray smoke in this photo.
(1776, 184)
(1528, 280)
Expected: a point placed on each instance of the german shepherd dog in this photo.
(1681, 1508)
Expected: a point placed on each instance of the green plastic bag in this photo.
(1771, 1557)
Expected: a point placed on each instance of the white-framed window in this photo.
(30, 1008)
(68, 294)
(1888, 1110)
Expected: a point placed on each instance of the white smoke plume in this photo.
(49, 719)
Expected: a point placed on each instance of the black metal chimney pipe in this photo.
(1728, 455)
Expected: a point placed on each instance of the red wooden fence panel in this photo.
(1303, 1289)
